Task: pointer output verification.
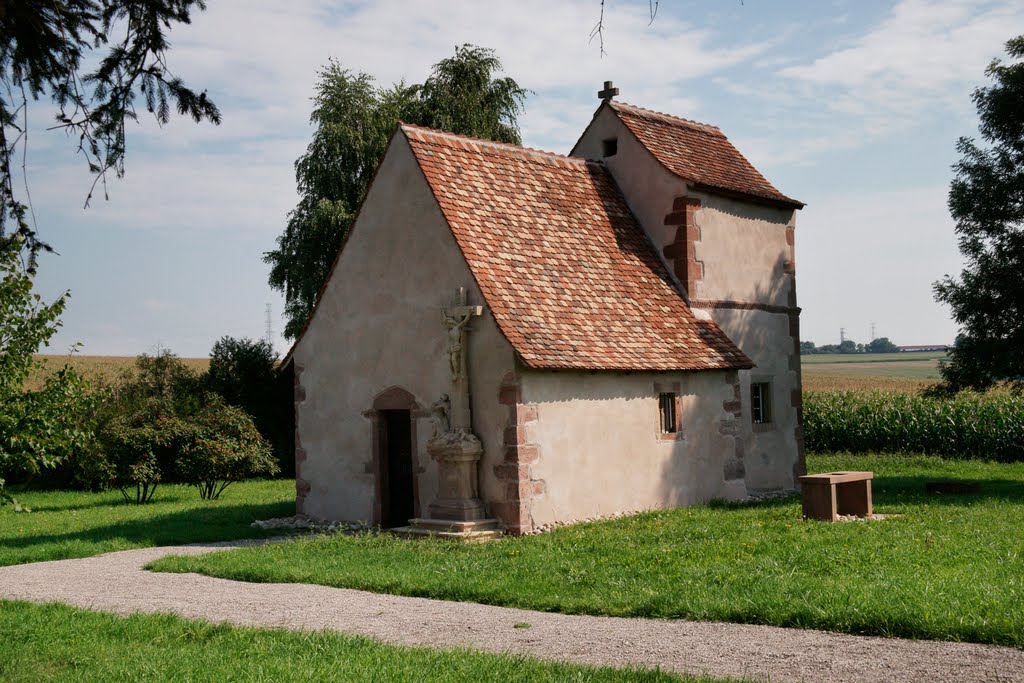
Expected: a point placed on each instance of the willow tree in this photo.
(353, 121)
(986, 199)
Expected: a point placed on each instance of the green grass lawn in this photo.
(949, 568)
(58, 643)
(66, 524)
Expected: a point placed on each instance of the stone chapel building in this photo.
(515, 335)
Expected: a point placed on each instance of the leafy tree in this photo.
(354, 121)
(162, 376)
(152, 442)
(848, 346)
(243, 372)
(39, 429)
(94, 59)
(808, 348)
(881, 345)
(986, 199)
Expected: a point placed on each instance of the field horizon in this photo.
(94, 367)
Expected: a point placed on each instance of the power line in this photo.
(269, 334)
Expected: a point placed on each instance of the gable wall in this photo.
(649, 189)
(739, 271)
(379, 325)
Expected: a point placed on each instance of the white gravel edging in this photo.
(116, 582)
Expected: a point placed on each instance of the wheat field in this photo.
(103, 369)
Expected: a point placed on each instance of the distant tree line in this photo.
(880, 345)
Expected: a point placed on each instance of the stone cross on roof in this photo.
(609, 92)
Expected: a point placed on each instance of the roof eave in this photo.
(780, 202)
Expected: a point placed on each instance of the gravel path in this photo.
(116, 583)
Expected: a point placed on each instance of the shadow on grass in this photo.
(890, 490)
(185, 526)
(109, 502)
(911, 489)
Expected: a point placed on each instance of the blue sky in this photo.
(851, 106)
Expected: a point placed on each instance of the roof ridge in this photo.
(495, 146)
(666, 118)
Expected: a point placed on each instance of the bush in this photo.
(968, 425)
(162, 377)
(42, 430)
(223, 446)
(244, 372)
(209, 449)
(38, 429)
(137, 449)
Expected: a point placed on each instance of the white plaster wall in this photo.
(599, 451)
(379, 325)
(743, 249)
(744, 254)
(772, 449)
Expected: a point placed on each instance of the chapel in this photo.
(511, 338)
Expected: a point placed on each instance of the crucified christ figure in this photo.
(456, 321)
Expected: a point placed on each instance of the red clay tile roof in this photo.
(698, 153)
(564, 267)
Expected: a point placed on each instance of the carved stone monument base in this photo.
(458, 511)
(473, 531)
(456, 453)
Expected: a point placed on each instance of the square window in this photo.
(667, 413)
(610, 147)
(761, 403)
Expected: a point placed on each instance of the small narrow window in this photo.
(610, 146)
(760, 403)
(667, 411)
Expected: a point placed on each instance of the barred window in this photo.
(667, 411)
(761, 402)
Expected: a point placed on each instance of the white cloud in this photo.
(914, 66)
(184, 192)
(912, 57)
(259, 59)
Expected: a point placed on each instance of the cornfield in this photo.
(972, 426)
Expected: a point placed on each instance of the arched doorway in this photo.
(395, 462)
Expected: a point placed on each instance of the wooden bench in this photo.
(828, 495)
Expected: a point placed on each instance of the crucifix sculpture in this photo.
(458, 511)
(456, 319)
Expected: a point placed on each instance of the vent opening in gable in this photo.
(610, 147)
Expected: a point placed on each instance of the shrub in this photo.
(38, 429)
(244, 373)
(968, 425)
(223, 446)
(138, 448)
(162, 376)
(41, 430)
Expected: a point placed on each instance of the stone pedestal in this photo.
(457, 512)
(456, 454)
